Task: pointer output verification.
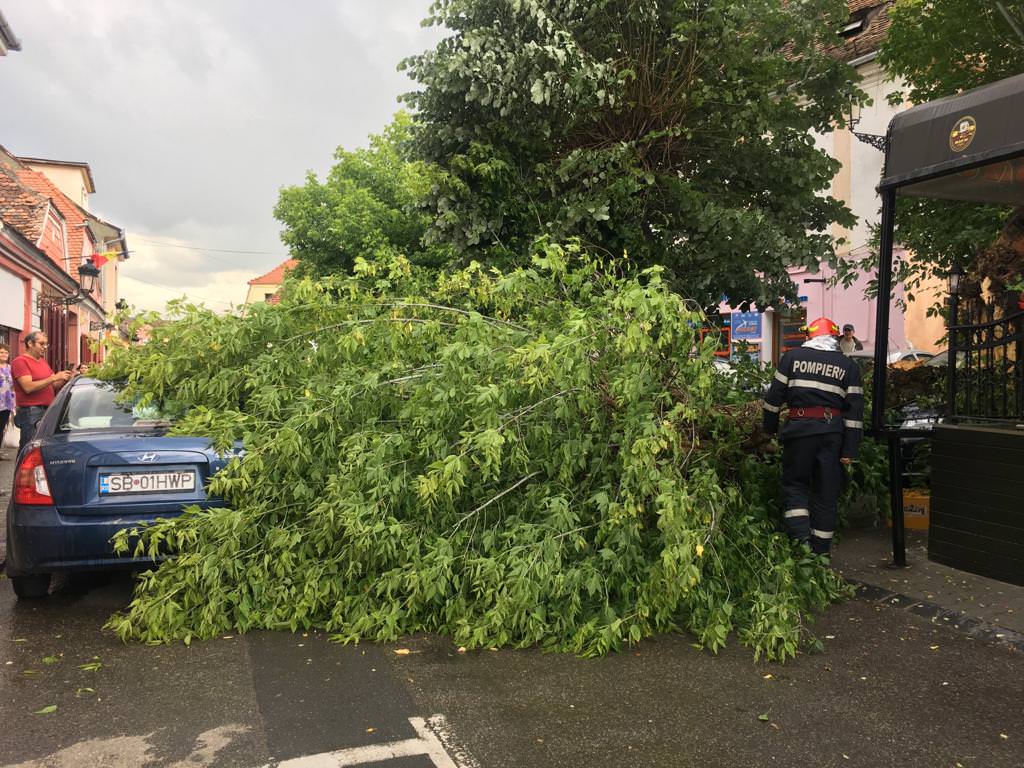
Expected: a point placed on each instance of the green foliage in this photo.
(936, 49)
(367, 206)
(676, 131)
(543, 456)
(941, 47)
(868, 477)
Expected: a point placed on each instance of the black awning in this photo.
(965, 147)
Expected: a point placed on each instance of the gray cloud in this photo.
(193, 114)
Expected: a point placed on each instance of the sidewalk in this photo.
(6, 482)
(981, 607)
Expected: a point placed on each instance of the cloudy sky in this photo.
(193, 114)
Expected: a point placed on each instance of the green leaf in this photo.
(510, 457)
(537, 92)
(47, 710)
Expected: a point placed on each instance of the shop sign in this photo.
(746, 325)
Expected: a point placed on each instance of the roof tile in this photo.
(73, 215)
(20, 207)
(276, 275)
(873, 34)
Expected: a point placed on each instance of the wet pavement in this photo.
(892, 687)
(865, 557)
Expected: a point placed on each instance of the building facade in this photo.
(45, 236)
(265, 287)
(779, 327)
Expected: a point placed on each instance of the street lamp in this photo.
(877, 141)
(956, 275)
(87, 274)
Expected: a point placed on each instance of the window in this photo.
(855, 25)
(93, 405)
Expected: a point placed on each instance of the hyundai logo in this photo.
(148, 457)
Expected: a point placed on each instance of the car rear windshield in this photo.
(94, 405)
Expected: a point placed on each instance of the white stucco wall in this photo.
(855, 184)
(864, 161)
(68, 179)
(12, 300)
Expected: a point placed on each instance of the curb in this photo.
(971, 626)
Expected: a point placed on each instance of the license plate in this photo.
(147, 482)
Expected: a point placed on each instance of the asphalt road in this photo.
(891, 689)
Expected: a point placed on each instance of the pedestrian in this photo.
(849, 343)
(35, 385)
(6, 395)
(823, 429)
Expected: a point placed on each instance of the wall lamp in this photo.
(87, 274)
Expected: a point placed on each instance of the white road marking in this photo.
(428, 743)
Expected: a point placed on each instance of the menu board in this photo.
(791, 334)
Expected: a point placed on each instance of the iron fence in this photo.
(986, 369)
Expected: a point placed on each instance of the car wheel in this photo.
(31, 586)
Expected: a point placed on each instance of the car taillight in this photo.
(30, 483)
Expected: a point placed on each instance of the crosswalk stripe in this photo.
(427, 743)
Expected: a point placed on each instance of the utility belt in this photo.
(812, 412)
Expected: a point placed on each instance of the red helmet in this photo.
(821, 327)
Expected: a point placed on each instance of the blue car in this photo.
(94, 467)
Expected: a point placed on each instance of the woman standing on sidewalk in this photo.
(6, 395)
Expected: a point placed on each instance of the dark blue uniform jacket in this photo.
(810, 378)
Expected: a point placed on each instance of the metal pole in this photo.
(880, 376)
(899, 535)
(951, 356)
(882, 310)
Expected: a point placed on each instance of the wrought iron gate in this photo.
(986, 369)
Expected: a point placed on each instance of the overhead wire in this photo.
(208, 252)
(178, 291)
(166, 244)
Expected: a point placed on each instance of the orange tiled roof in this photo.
(73, 215)
(276, 275)
(876, 28)
(20, 207)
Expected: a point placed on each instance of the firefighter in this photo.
(822, 389)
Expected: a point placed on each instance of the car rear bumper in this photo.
(42, 540)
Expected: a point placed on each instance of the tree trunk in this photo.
(1003, 262)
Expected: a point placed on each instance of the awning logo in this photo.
(962, 135)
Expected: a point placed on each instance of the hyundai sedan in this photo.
(96, 466)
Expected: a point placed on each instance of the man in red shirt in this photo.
(35, 384)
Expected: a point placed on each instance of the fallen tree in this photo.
(541, 457)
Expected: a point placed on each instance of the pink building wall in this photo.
(849, 305)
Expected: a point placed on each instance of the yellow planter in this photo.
(916, 509)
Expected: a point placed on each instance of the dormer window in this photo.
(858, 21)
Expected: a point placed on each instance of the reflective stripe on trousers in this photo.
(811, 476)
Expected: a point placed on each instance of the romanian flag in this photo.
(99, 259)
